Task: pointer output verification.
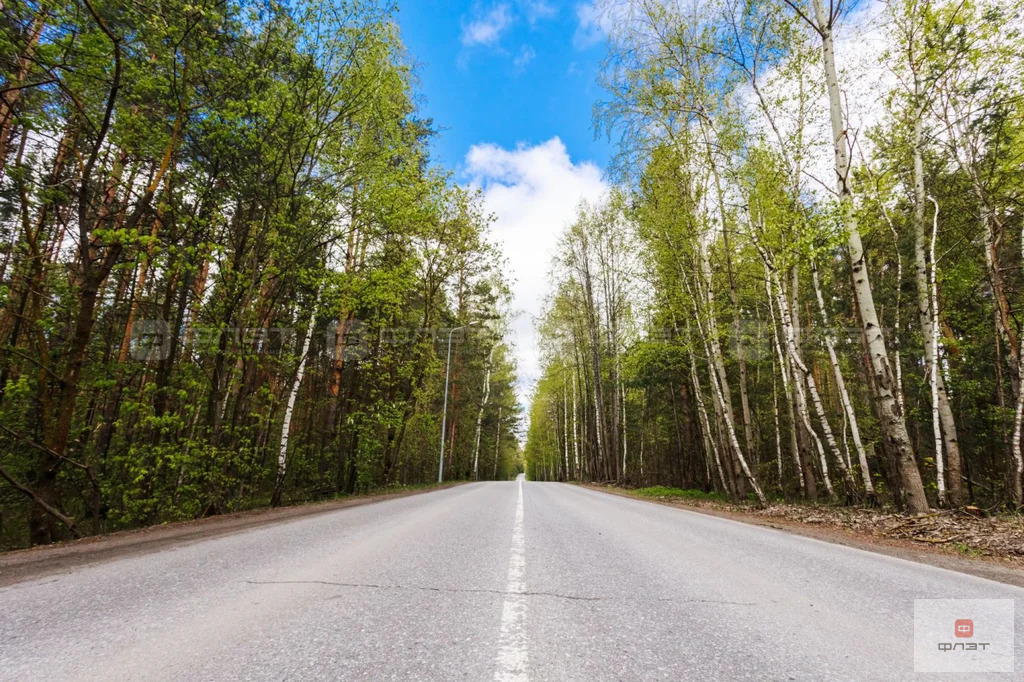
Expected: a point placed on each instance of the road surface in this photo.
(488, 581)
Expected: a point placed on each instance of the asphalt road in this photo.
(489, 581)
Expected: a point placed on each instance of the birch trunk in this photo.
(497, 444)
(784, 371)
(625, 443)
(643, 423)
(897, 360)
(583, 266)
(575, 428)
(726, 413)
(926, 310)
(709, 441)
(804, 437)
(943, 423)
(801, 376)
(565, 420)
(1003, 319)
(282, 457)
(480, 417)
(1017, 463)
(891, 418)
(715, 354)
(741, 361)
(844, 395)
(778, 431)
(819, 408)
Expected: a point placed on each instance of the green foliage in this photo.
(751, 346)
(242, 178)
(665, 493)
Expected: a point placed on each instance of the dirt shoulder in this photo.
(987, 547)
(28, 564)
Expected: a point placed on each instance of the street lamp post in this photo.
(444, 415)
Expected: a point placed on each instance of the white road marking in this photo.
(512, 657)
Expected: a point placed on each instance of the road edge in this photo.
(980, 567)
(21, 565)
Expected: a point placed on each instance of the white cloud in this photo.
(535, 10)
(487, 28)
(525, 56)
(533, 191)
(594, 23)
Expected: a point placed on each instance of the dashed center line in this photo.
(512, 654)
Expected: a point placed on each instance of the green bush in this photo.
(665, 492)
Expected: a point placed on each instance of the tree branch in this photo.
(28, 492)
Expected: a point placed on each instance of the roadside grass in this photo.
(967, 550)
(666, 492)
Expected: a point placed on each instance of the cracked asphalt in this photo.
(417, 588)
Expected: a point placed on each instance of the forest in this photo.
(807, 282)
(230, 271)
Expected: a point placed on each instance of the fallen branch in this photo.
(914, 520)
(42, 503)
(936, 541)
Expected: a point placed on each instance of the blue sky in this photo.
(506, 72)
(511, 85)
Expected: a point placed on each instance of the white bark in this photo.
(709, 440)
(497, 444)
(801, 397)
(932, 355)
(575, 430)
(784, 371)
(1017, 472)
(819, 407)
(643, 420)
(480, 417)
(775, 413)
(741, 361)
(625, 448)
(805, 376)
(897, 361)
(844, 395)
(565, 420)
(891, 418)
(716, 356)
(720, 398)
(282, 457)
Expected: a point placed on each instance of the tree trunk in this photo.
(1017, 463)
(282, 457)
(480, 418)
(716, 358)
(943, 424)
(802, 376)
(844, 395)
(575, 429)
(10, 98)
(709, 440)
(891, 418)
(720, 398)
(808, 487)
